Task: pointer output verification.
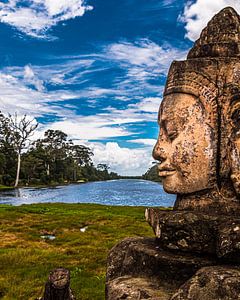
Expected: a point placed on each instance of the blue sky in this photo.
(96, 69)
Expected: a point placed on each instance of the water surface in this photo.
(113, 192)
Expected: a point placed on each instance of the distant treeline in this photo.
(152, 174)
(54, 159)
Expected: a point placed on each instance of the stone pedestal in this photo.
(188, 247)
(198, 233)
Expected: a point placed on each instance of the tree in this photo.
(81, 157)
(8, 155)
(19, 129)
(152, 173)
(51, 160)
(54, 146)
(103, 171)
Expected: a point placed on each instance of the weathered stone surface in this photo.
(211, 283)
(184, 231)
(196, 232)
(143, 257)
(138, 288)
(228, 241)
(58, 286)
(199, 142)
(225, 42)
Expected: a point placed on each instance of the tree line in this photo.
(152, 174)
(53, 159)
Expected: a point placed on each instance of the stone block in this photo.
(144, 257)
(211, 283)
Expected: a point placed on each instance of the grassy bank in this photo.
(5, 187)
(26, 258)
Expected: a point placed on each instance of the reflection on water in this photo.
(114, 192)
(48, 237)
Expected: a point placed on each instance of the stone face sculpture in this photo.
(199, 141)
(196, 252)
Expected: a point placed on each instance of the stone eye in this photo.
(172, 135)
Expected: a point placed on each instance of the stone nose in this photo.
(159, 153)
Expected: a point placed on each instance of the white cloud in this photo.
(149, 104)
(147, 142)
(196, 15)
(168, 2)
(40, 15)
(88, 127)
(30, 78)
(15, 95)
(144, 59)
(150, 61)
(55, 74)
(124, 161)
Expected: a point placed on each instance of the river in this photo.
(130, 192)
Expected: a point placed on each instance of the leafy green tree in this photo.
(54, 147)
(81, 157)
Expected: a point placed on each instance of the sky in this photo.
(96, 69)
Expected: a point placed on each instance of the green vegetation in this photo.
(52, 160)
(26, 258)
(152, 174)
(5, 187)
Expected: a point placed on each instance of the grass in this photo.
(5, 187)
(26, 258)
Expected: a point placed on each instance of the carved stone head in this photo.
(187, 142)
(199, 141)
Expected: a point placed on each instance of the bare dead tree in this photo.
(22, 129)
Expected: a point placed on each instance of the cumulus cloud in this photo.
(40, 15)
(197, 14)
(122, 160)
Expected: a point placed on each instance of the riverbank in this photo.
(35, 186)
(39, 237)
(58, 184)
(5, 187)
